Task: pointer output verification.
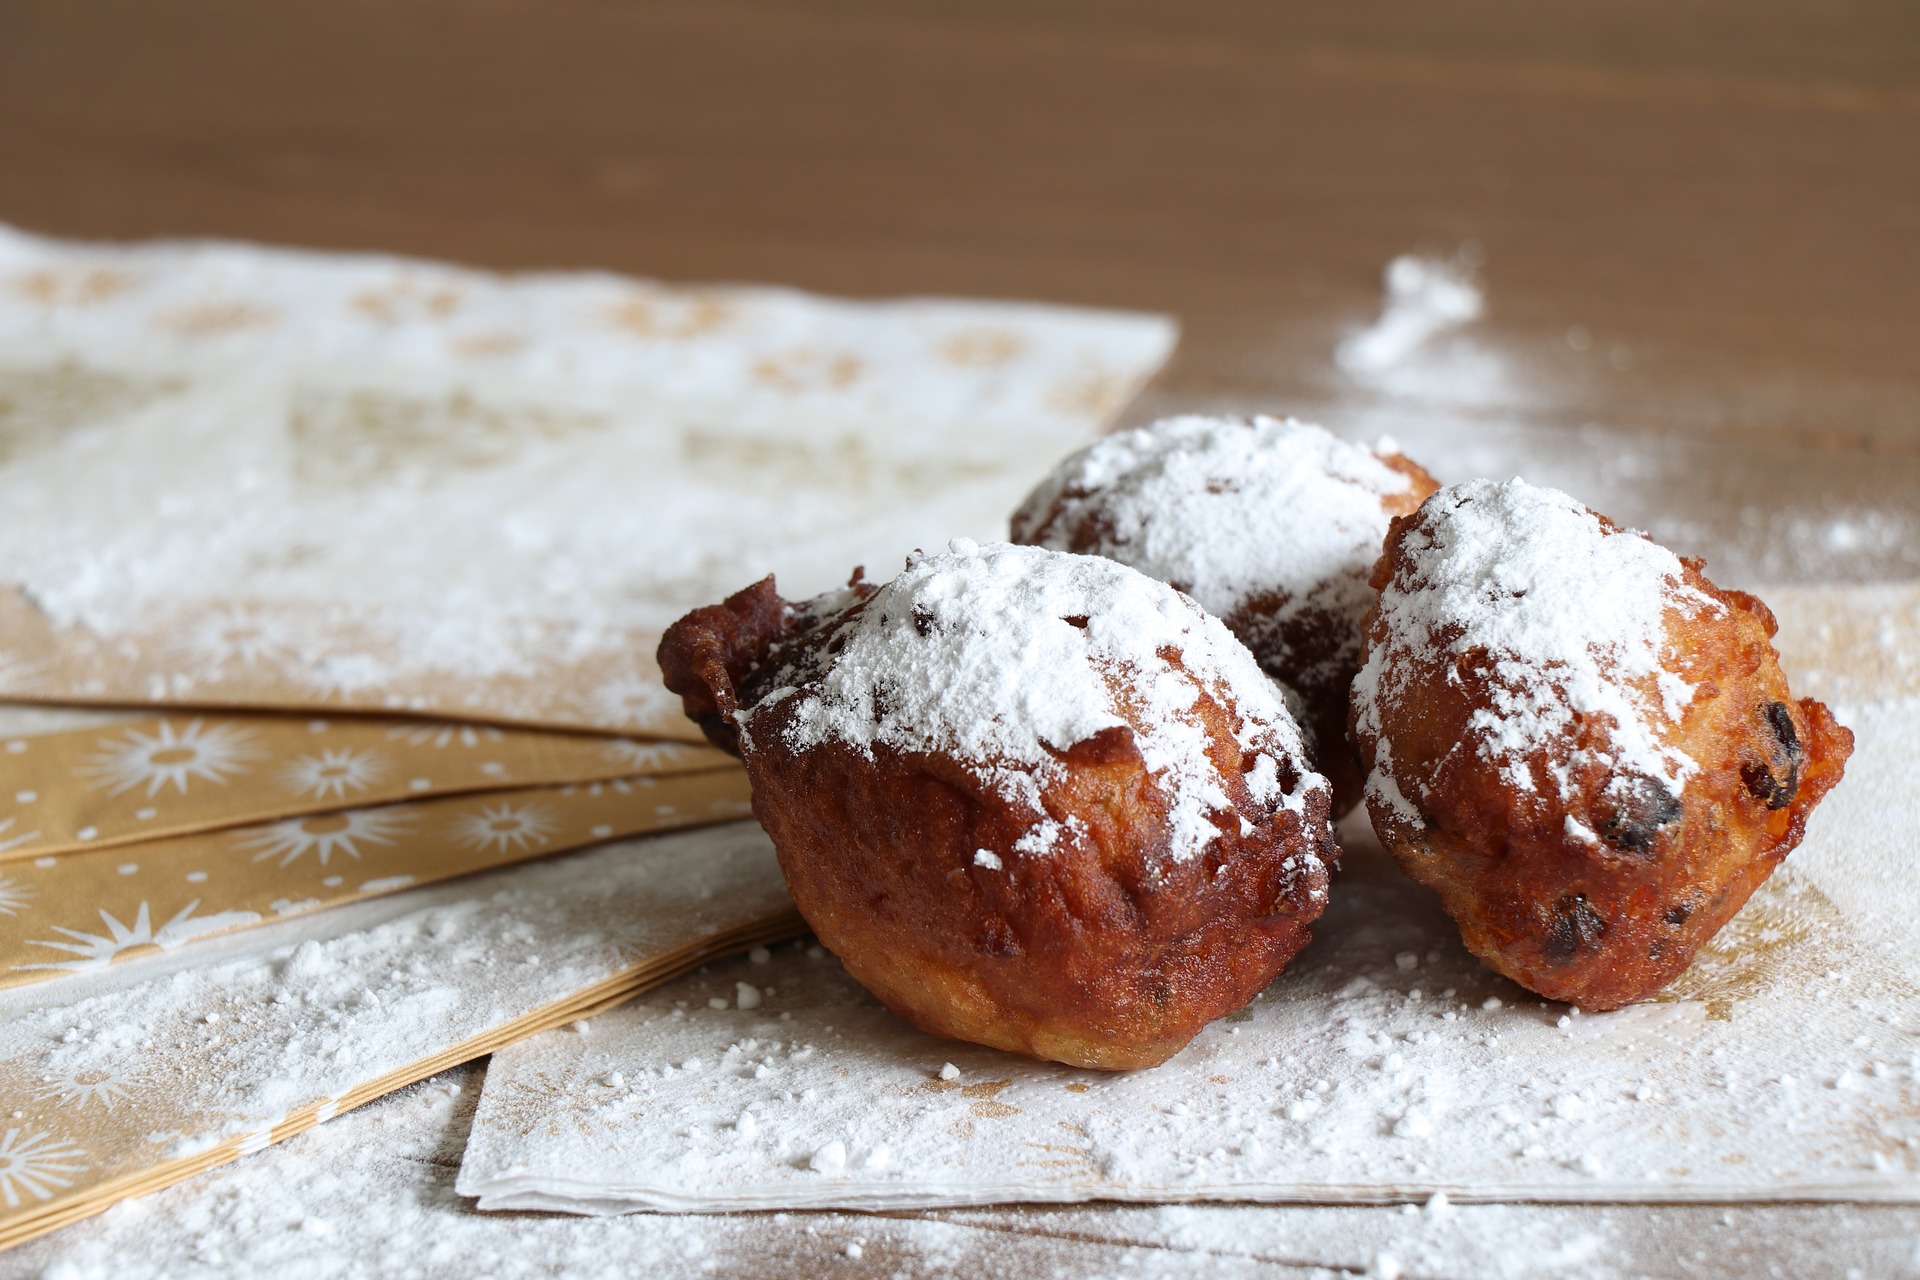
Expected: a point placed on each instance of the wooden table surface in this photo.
(1720, 200)
(1725, 195)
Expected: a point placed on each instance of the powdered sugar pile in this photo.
(1004, 656)
(1227, 510)
(1571, 619)
(1425, 298)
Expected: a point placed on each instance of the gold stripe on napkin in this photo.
(125, 1082)
(85, 911)
(92, 788)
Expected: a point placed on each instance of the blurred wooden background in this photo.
(1725, 195)
(1720, 197)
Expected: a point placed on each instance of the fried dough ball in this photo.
(1583, 745)
(1273, 526)
(1032, 800)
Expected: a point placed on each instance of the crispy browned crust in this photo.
(723, 657)
(706, 655)
(1603, 926)
(1101, 952)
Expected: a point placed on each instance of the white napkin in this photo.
(446, 474)
(371, 1194)
(1385, 1064)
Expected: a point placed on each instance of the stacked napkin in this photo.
(373, 556)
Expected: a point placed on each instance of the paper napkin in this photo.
(94, 788)
(1385, 1064)
(250, 477)
(115, 1084)
(79, 912)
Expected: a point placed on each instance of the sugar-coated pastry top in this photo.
(1004, 657)
(1562, 611)
(1230, 510)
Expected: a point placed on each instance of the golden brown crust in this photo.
(1102, 951)
(720, 657)
(705, 656)
(1606, 918)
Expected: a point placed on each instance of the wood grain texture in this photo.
(1729, 195)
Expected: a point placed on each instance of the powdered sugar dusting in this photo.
(290, 1213)
(226, 1041)
(1227, 510)
(1570, 616)
(452, 456)
(1005, 656)
(1387, 1063)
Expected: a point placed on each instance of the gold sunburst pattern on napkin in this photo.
(80, 912)
(94, 788)
(116, 1090)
